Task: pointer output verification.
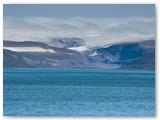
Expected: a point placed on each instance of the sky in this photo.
(97, 24)
(79, 10)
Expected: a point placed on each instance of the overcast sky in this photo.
(79, 10)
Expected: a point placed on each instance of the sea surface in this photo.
(44, 92)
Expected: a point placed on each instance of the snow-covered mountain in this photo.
(39, 55)
(122, 54)
(29, 54)
(66, 42)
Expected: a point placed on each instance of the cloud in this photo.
(109, 30)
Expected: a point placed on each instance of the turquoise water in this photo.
(78, 92)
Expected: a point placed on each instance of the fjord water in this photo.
(45, 92)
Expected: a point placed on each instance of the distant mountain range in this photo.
(72, 54)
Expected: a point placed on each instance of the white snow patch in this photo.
(107, 46)
(93, 35)
(109, 58)
(79, 49)
(29, 49)
(94, 54)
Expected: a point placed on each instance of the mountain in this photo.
(66, 42)
(7, 43)
(124, 54)
(145, 62)
(29, 54)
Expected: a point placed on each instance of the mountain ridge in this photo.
(117, 56)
